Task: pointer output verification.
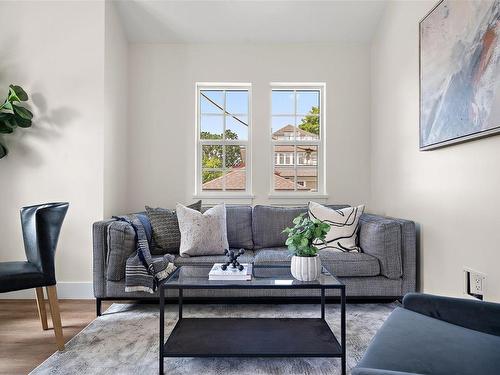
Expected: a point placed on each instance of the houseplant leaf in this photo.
(4, 128)
(22, 112)
(8, 119)
(17, 93)
(22, 122)
(7, 105)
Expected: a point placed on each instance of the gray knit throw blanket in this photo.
(142, 272)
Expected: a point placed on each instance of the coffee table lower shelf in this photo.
(252, 337)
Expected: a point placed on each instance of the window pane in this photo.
(307, 101)
(308, 127)
(211, 101)
(284, 169)
(236, 179)
(283, 102)
(307, 178)
(211, 127)
(283, 179)
(237, 127)
(307, 168)
(211, 156)
(237, 102)
(212, 180)
(206, 106)
(307, 155)
(283, 128)
(235, 156)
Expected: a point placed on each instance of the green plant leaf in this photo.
(22, 112)
(18, 93)
(22, 122)
(7, 105)
(3, 151)
(5, 129)
(8, 119)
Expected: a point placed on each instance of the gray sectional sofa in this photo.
(385, 268)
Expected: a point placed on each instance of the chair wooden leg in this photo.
(40, 303)
(56, 316)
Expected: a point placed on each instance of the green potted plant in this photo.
(12, 114)
(306, 264)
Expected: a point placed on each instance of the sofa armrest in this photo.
(477, 315)
(381, 237)
(100, 253)
(376, 371)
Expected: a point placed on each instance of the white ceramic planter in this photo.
(306, 268)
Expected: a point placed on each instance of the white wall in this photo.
(453, 193)
(55, 51)
(162, 119)
(115, 113)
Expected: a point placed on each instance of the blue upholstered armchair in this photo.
(436, 336)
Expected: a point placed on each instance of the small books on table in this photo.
(233, 274)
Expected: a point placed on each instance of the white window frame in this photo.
(223, 194)
(320, 143)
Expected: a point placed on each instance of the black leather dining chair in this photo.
(41, 226)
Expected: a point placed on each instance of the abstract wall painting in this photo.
(459, 72)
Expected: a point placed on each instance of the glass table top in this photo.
(263, 276)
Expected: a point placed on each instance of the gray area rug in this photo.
(125, 341)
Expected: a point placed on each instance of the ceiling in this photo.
(233, 21)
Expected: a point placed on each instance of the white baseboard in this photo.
(65, 290)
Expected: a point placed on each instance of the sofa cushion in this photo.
(202, 233)
(339, 263)
(121, 244)
(166, 233)
(345, 264)
(268, 223)
(239, 226)
(381, 238)
(344, 225)
(415, 343)
(209, 260)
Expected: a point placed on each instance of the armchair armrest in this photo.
(477, 315)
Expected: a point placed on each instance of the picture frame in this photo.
(451, 109)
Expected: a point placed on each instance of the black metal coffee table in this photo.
(251, 337)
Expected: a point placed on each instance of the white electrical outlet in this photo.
(474, 283)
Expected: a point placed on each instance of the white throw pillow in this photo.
(344, 223)
(202, 233)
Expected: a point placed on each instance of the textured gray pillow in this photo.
(166, 234)
(202, 233)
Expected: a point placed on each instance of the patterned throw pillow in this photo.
(344, 223)
(202, 233)
(166, 234)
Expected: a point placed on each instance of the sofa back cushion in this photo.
(239, 227)
(268, 223)
(166, 234)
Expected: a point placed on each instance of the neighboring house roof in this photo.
(302, 171)
(281, 183)
(236, 180)
(289, 129)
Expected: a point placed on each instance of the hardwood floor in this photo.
(23, 343)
